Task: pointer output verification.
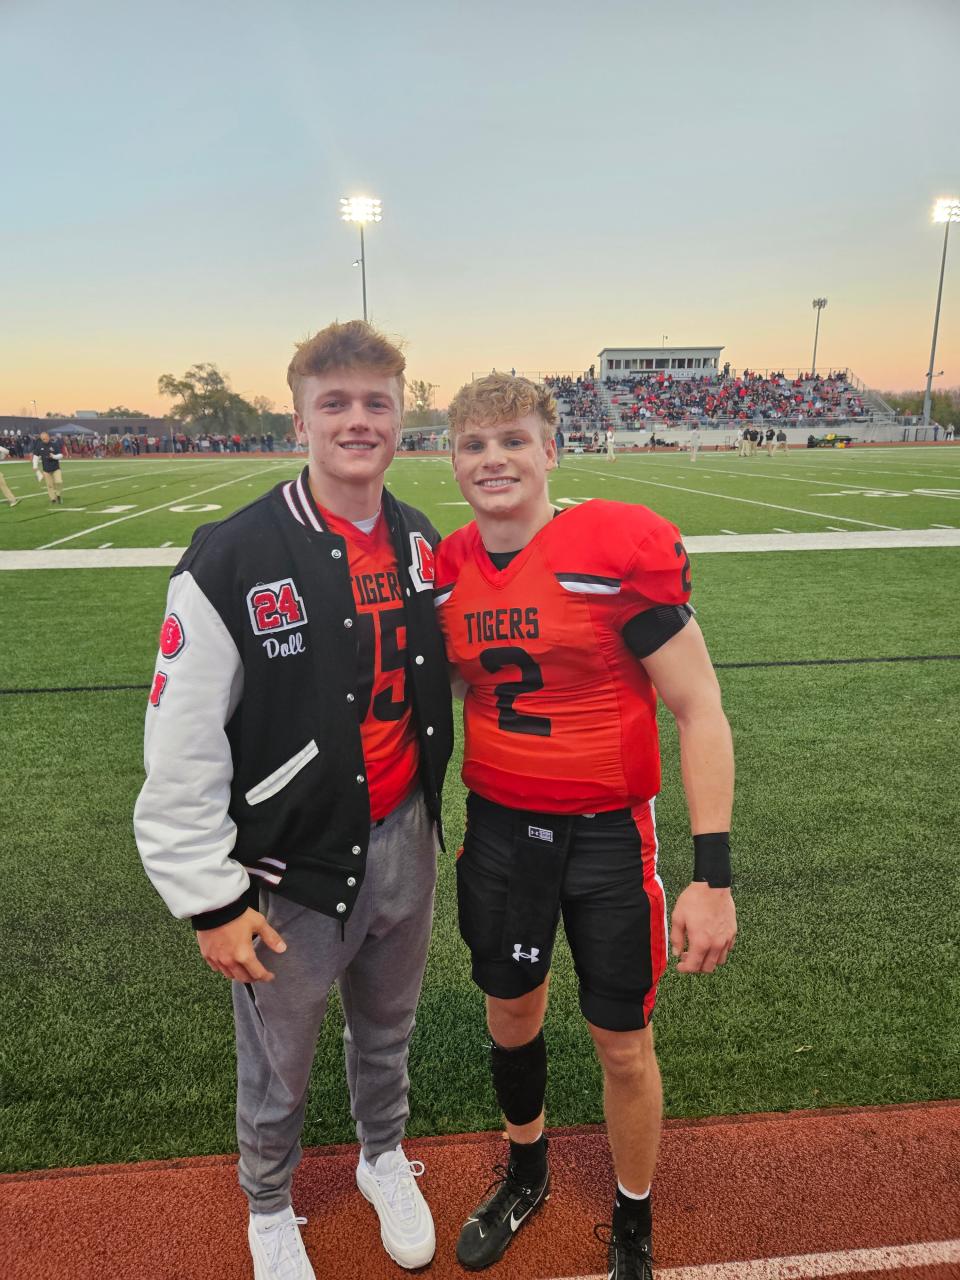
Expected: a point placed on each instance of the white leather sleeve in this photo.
(184, 831)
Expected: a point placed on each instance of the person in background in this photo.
(47, 456)
(4, 487)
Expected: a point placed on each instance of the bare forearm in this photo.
(706, 762)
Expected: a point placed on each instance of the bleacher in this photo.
(645, 401)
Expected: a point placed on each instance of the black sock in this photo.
(530, 1158)
(632, 1215)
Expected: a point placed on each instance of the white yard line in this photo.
(83, 533)
(847, 540)
(753, 502)
(92, 484)
(808, 1266)
(898, 471)
(830, 484)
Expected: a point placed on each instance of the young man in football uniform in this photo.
(297, 736)
(564, 627)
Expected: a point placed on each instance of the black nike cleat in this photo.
(629, 1256)
(485, 1236)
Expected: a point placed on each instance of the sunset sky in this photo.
(556, 178)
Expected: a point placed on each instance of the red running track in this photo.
(734, 1190)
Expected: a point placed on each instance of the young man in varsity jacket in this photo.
(297, 735)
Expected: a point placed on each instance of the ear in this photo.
(550, 449)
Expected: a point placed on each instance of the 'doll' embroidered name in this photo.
(284, 648)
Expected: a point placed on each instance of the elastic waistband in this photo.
(606, 818)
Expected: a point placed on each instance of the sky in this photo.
(556, 178)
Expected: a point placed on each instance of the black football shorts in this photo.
(520, 871)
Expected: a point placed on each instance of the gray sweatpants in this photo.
(378, 966)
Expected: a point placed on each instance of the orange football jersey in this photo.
(560, 715)
(390, 749)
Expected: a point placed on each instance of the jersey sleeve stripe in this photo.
(589, 584)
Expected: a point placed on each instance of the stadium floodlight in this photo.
(946, 210)
(361, 209)
(818, 305)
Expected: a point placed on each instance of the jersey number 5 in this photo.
(509, 719)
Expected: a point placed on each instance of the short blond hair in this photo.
(351, 345)
(501, 397)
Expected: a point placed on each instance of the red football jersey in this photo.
(560, 715)
(390, 749)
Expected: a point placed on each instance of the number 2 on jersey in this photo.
(531, 680)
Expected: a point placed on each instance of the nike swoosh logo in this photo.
(515, 1222)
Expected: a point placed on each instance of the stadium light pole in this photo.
(945, 211)
(819, 304)
(361, 209)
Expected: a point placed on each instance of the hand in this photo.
(705, 921)
(229, 948)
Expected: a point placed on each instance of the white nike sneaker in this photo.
(277, 1249)
(406, 1226)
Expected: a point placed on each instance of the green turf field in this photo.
(844, 985)
(155, 502)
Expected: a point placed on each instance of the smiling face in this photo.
(502, 472)
(349, 420)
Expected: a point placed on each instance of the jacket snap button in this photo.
(419, 659)
(351, 882)
(355, 849)
(336, 553)
(361, 778)
(341, 907)
(429, 730)
(350, 697)
(348, 622)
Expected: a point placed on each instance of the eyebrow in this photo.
(341, 391)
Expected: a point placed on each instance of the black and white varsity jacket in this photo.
(255, 771)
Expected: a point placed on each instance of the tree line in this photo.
(944, 405)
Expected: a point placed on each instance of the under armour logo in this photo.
(532, 955)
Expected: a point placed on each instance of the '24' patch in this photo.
(275, 606)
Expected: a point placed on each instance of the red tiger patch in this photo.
(172, 638)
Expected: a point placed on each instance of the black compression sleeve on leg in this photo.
(520, 1079)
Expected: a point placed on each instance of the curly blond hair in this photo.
(351, 345)
(501, 397)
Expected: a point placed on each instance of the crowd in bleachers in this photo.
(635, 401)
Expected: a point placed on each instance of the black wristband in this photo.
(711, 859)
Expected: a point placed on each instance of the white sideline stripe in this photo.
(752, 502)
(83, 533)
(804, 1266)
(852, 540)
